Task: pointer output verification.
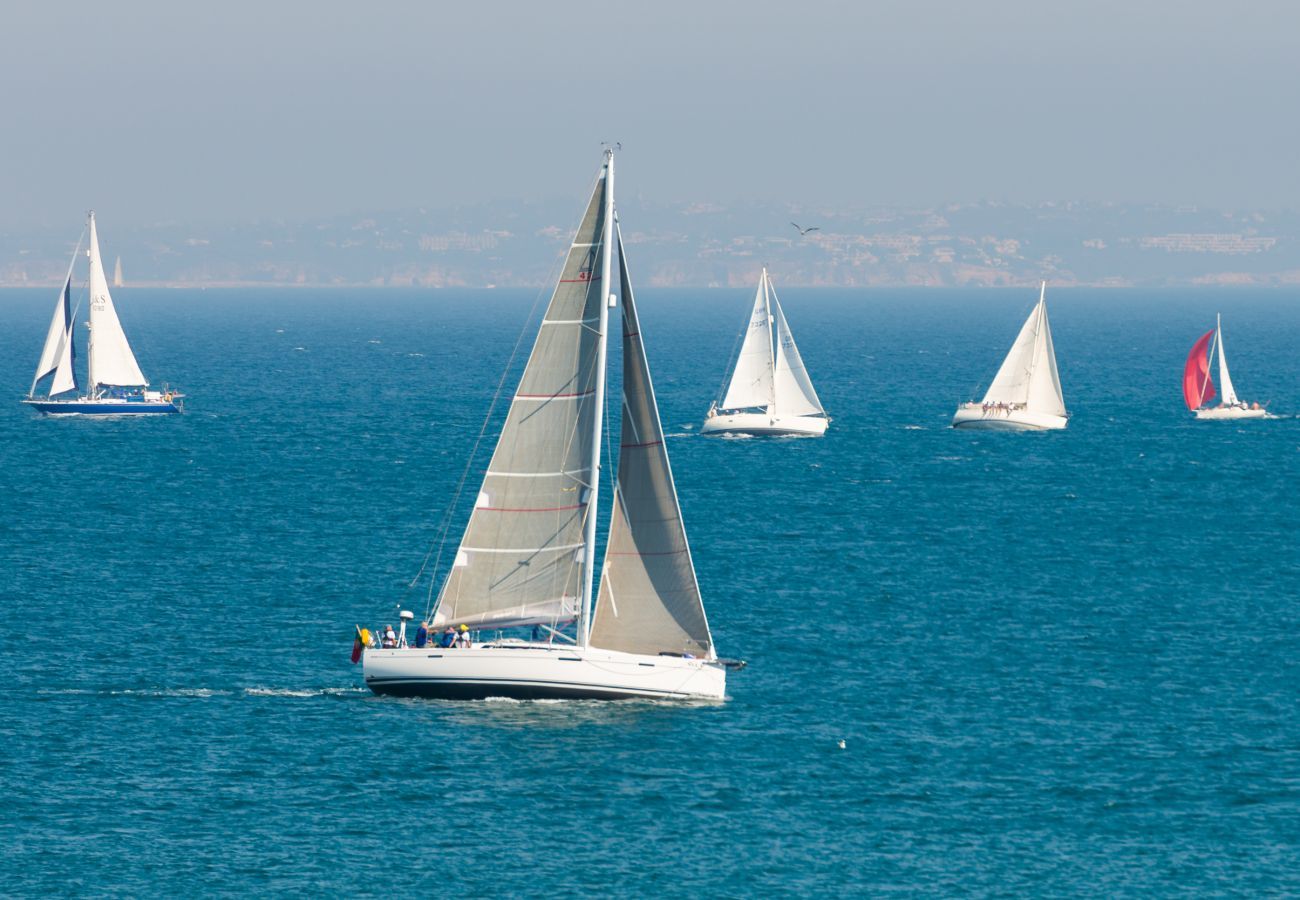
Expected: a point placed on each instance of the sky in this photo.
(154, 111)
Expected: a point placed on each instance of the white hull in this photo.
(529, 671)
(1230, 412)
(764, 424)
(974, 416)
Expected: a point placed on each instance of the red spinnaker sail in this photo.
(1197, 386)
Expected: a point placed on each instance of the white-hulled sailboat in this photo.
(769, 392)
(1026, 392)
(117, 387)
(528, 555)
(1198, 388)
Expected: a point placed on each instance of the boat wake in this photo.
(200, 693)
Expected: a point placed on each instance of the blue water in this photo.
(1061, 663)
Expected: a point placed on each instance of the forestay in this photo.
(111, 359)
(751, 382)
(1225, 382)
(649, 600)
(520, 560)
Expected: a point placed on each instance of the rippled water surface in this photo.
(1059, 663)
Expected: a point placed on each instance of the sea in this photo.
(978, 664)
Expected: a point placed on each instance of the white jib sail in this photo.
(649, 600)
(57, 339)
(1226, 391)
(751, 382)
(1044, 380)
(65, 376)
(111, 359)
(521, 558)
(793, 389)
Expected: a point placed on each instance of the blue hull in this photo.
(116, 408)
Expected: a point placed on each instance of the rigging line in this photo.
(551, 279)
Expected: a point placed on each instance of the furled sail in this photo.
(1225, 382)
(649, 600)
(751, 382)
(1198, 389)
(794, 392)
(111, 359)
(520, 560)
(58, 340)
(1028, 376)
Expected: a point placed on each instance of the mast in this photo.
(1038, 340)
(772, 338)
(1214, 345)
(598, 419)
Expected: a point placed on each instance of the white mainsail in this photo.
(1028, 376)
(111, 361)
(752, 381)
(522, 557)
(649, 600)
(1226, 391)
(117, 273)
(794, 394)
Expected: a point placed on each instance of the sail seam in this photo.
(555, 549)
(528, 509)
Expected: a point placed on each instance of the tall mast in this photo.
(772, 338)
(598, 425)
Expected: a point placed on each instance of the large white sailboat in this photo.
(1198, 387)
(527, 559)
(116, 386)
(1025, 394)
(769, 392)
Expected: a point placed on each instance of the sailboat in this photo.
(1025, 394)
(526, 564)
(116, 385)
(117, 273)
(769, 392)
(1198, 388)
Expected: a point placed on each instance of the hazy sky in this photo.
(235, 111)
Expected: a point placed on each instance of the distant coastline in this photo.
(700, 245)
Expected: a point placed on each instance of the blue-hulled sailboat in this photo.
(116, 386)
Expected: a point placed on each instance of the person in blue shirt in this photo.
(422, 634)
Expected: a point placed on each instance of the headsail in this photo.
(1225, 382)
(751, 382)
(1044, 379)
(111, 359)
(794, 392)
(65, 376)
(58, 339)
(521, 558)
(1197, 386)
(649, 600)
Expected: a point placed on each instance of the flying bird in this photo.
(803, 231)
